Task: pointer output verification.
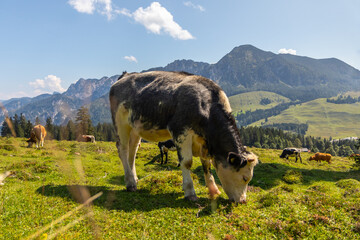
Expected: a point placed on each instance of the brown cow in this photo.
(355, 156)
(321, 157)
(88, 138)
(37, 136)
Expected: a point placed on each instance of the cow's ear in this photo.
(235, 160)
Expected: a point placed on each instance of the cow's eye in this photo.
(245, 178)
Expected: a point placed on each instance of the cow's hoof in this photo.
(131, 189)
(214, 192)
(192, 198)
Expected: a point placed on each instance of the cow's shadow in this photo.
(141, 200)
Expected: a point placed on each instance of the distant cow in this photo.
(37, 136)
(195, 113)
(291, 152)
(355, 156)
(164, 148)
(321, 157)
(88, 138)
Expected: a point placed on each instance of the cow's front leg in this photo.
(209, 179)
(184, 149)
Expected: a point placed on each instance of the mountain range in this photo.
(244, 69)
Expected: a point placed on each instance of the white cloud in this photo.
(124, 12)
(287, 51)
(131, 58)
(155, 18)
(198, 7)
(83, 6)
(104, 7)
(158, 19)
(49, 84)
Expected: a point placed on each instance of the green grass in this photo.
(250, 101)
(324, 119)
(286, 200)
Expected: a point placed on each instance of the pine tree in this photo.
(19, 131)
(71, 130)
(49, 127)
(83, 122)
(297, 143)
(37, 121)
(6, 129)
(27, 129)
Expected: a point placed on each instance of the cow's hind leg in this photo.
(133, 147)
(184, 148)
(162, 155)
(209, 179)
(166, 157)
(122, 145)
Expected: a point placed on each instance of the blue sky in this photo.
(47, 45)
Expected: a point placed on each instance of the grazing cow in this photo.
(164, 148)
(195, 113)
(37, 136)
(355, 156)
(291, 152)
(88, 138)
(321, 157)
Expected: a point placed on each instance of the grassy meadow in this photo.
(324, 119)
(43, 197)
(250, 101)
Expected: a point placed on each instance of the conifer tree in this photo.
(71, 130)
(5, 129)
(83, 122)
(19, 131)
(49, 127)
(27, 129)
(37, 121)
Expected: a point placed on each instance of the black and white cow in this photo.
(164, 147)
(291, 152)
(195, 113)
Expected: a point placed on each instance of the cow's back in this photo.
(158, 97)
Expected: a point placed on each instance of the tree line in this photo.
(273, 138)
(73, 130)
(343, 100)
(244, 119)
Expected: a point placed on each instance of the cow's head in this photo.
(284, 153)
(312, 158)
(236, 173)
(30, 142)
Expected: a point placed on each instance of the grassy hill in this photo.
(250, 101)
(324, 119)
(286, 200)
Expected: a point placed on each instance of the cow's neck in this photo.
(223, 135)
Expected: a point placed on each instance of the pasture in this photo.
(286, 200)
(250, 101)
(324, 119)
